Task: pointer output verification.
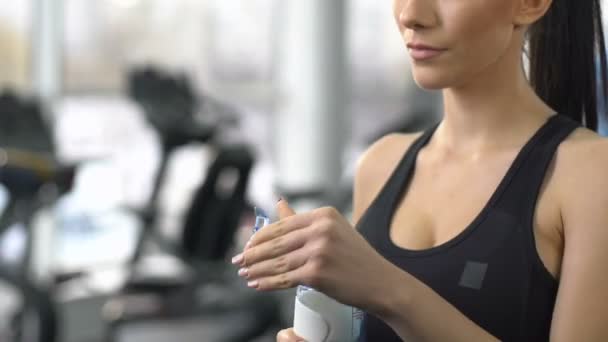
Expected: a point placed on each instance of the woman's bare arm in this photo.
(581, 309)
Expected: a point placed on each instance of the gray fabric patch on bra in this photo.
(473, 275)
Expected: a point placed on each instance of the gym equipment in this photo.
(210, 291)
(35, 320)
(28, 172)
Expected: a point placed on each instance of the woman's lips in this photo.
(420, 52)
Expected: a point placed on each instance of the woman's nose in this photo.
(417, 14)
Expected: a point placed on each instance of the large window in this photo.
(217, 42)
(15, 18)
(104, 38)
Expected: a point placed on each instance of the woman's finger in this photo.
(284, 209)
(288, 335)
(277, 247)
(280, 228)
(282, 281)
(282, 264)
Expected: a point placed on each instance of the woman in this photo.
(502, 230)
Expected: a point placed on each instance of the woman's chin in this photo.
(431, 80)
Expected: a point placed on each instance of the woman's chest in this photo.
(438, 208)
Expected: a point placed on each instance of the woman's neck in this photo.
(497, 108)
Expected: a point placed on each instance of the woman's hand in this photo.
(288, 335)
(319, 249)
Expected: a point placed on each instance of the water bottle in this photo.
(318, 317)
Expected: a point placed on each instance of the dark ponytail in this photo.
(564, 49)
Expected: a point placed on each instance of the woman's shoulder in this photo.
(376, 165)
(384, 154)
(583, 148)
(581, 174)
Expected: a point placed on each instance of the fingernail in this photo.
(237, 259)
(248, 243)
(243, 272)
(253, 284)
